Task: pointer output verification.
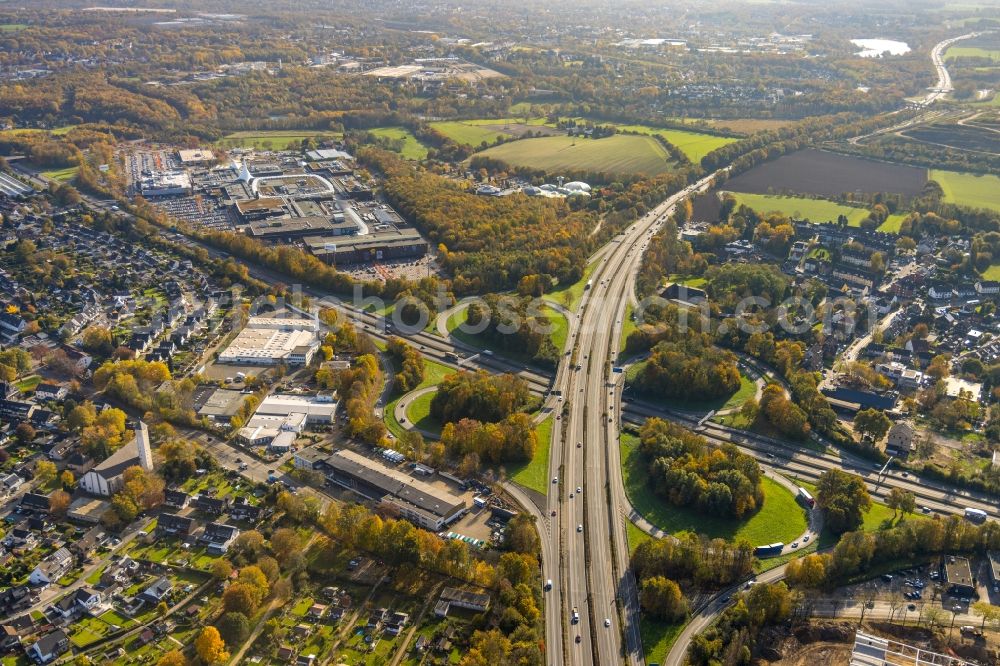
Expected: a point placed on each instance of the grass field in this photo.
(967, 189)
(463, 132)
(694, 145)
(412, 148)
(270, 139)
(12, 27)
(780, 519)
(62, 175)
(800, 208)
(971, 52)
(535, 474)
(615, 154)
(892, 223)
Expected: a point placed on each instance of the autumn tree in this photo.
(222, 569)
(59, 502)
(210, 647)
(844, 500)
(45, 471)
(173, 658)
(872, 423)
(662, 598)
(901, 501)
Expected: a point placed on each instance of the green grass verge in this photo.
(620, 153)
(694, 145)
(412, 148)
(801, 208)
(780, 519)
(418, 412)
(535, 474)
(62, 175)
(569, 296)
(272, 139)
(12, 27)
(434, 372)
(657, 638)
(969, 189)
(628, 326)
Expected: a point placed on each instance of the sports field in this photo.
(800, 208)
(270, 139)
(620, 153)
(466, 133)
(969, 189)
(694, 145)
(412, 148)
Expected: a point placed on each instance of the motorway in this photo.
(593, 573)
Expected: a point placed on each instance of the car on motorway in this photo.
(607, 622)
(574, 616)
(579, 528)
(553, 512)
(579, 490)
(805, 539)
(548, 584)
(925, 509)
(579, 445)
(578, 638)
(555, 479)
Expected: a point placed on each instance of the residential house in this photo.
(213, 506)
(91, 540)
(396, 623)
(987, 287)
(176, 499)
(87, 599)
(243, 510)
(170, 524)
(11, 482)
(49, 647)
(52, 568)
(376, 618)
(34, 502)
(158, 591)
(50, 392)
(219, 537)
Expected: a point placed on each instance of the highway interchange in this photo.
(584, 545)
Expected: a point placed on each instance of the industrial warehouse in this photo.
(270, 341)
(419, 502)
